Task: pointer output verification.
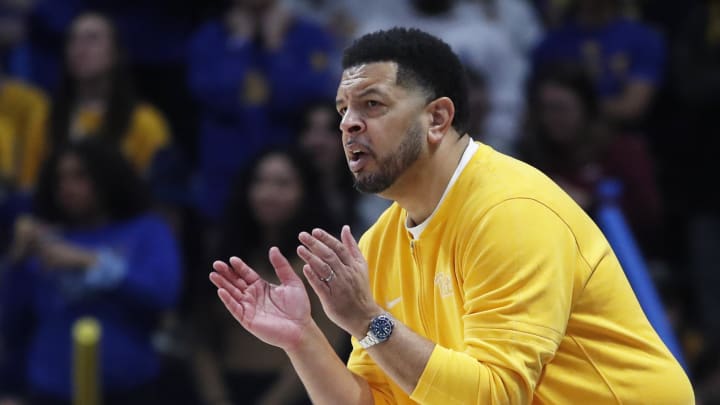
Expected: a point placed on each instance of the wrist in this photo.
(360, 327)
(309, 335)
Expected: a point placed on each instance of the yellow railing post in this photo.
(86, 365)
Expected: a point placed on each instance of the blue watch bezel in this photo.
(381, 327)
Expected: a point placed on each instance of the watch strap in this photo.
(368, 341)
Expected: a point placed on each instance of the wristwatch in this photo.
(380, 329)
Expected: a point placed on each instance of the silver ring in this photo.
(329, 278)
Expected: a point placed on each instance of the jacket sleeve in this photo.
(147, 275)
(516, 268)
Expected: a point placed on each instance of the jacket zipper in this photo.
(413, 249)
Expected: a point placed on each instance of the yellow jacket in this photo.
(147, 133)
(23, 117)
(522, 295)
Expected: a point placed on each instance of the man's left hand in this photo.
(337, 271)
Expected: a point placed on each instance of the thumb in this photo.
(283, 269)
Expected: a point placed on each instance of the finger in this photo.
(320, 250)
(330, 241)
(224, 284)
(227, 272)
(283, 269)
(233, 306)
(236, 282)
(321, 268)
(243, 270)
(350, 243)
(321, 288)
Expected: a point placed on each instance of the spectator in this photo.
(568, 140)
(320, 140)
(250, 71)
(517, 18)
(37, 58)
(156, 35)
(92, 249)
(696, 82)
(344, 17)
(483, 47)
(96, 97)
(23, 115)
(625, 57)
(277, 197)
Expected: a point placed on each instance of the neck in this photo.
(92, 89)
(420, 188)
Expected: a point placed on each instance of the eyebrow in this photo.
(366, 92)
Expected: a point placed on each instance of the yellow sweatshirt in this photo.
(522, 295)
(23, 117)
(147, 133)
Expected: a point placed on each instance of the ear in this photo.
(441, 112)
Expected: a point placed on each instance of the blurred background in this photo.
(141, 140)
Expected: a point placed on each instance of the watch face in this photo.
(381, 327)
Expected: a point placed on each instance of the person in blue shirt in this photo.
(91, 249)
(251, 71)
(625, 57)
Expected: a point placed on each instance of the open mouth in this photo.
(356, 155)
(357, 159)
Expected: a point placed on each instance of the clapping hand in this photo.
(276, 314)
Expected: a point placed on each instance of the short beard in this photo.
(394, 165)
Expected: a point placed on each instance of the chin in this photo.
(369, 186)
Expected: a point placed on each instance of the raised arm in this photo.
(280, 315)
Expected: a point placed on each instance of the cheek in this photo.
(255, 197)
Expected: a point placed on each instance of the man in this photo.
(482, 283)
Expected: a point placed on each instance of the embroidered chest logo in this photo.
(444, 284)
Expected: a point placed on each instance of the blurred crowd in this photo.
(141, 140)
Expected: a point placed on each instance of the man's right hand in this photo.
(277, 314)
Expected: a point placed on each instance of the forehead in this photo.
(381, 76)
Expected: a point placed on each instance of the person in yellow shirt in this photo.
(483, 283)
(96, 97)
(23, 117)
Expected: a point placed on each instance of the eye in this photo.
(342, 111)
(372, 103)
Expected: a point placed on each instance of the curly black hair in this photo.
(120, 191)
(423, 61)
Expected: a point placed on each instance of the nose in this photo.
(351, 123)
